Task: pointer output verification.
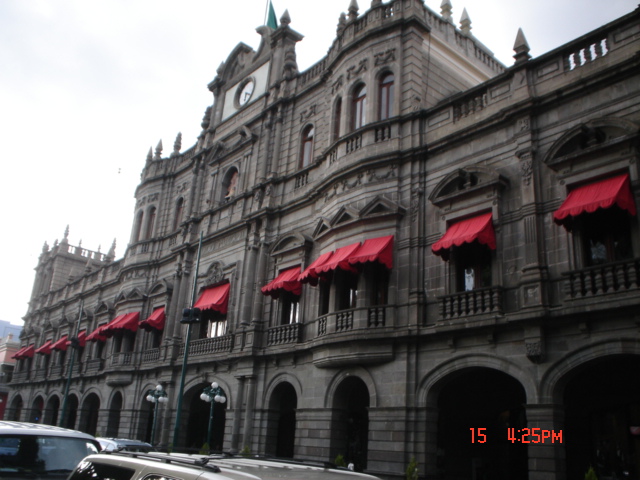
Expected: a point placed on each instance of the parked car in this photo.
(35, 451)
(114, 444)
(123, 465)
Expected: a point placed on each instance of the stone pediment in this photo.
(473, 181)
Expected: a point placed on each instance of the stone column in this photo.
(547, 455)
(248, 413)
(237, 416)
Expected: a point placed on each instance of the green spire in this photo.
(271, 18)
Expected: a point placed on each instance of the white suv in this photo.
(41, 452)
(161, 466)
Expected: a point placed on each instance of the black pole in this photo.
(63, 414)
(185, 357)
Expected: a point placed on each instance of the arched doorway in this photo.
(350, 422)
(15, 410)
(89, 414)
(145, 420)
(476, 406)
(281, 430)
(602, 418)
(71, 414)
(198, 420)
(113, 424)
(35, 416)
(51, 411)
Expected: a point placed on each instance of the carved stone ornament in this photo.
(535, 352)
(382, 58)
(216, 274)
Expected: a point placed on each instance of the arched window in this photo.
(386, 97)
(306, 150)
(137, 232)
(230, 184)
(150, 223)
(359, 107)
(177, 219)
(337, 114)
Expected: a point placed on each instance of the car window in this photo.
(41, 454)
(88, 470)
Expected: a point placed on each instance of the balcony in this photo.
(151, 356)
(122, 358)
(482, 301)
(284, 334)
(207, 346)
(94, 365)
(366, 318)
(602, 280)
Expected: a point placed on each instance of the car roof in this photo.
(229, 467)
(25, 428)
(124, 441)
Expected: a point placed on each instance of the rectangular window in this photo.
(472, 263)
(289, 306)
(605, 236)
(346, 290)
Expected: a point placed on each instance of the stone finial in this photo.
(45, 247)
(158, 154)
(342, 22)
(65, 239)
(521, 47)
(177, 145)
(112, 251)
(150, 154)
(285, 19)
(465, 23)
(445, 11)
(353, 10)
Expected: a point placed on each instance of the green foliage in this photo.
(246, 451)
(591, 474)
(205, 449)
(412, 469)
(339, 461)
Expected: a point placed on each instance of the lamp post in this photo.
(156, 396)
(213, 394)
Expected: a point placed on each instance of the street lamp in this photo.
(156, 395)
(213, 394)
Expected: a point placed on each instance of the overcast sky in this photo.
(88, 86)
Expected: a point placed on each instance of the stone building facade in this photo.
(407, 250)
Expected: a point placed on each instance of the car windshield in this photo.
(41, 456)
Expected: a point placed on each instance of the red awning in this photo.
(214, 298)
(339, 260)
(155, 321)
(82, 340)
(478, 229)
(45, 349)
(589, 198)
(128, 321)
(25, 352)
(310, 275)
(375, 250)
(287, 280)
(18, 353)
(61, 344)
(97, 335)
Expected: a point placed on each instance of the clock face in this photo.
(245, 91)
